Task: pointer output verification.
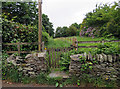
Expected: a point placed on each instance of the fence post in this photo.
(70, 40)
(103, 41)
(76, 44)
(43, 46)
(49, 57)
(18, 46)
(73, 41)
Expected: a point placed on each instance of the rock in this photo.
(113, 79)
(103, 65)
(31, 73)
(20, 69)
(32, 65)
(101, 59)
(42, 55)
(18, 58)
(85, 55)
(75, 57)
(97, 56)
(110, 58)
(27, 68)
(104, 57)
(12, 58)
(114, 58)
(77, 75)
(28, 56)
(119, 57)
(55, 74)
(90, 56)
(114, 76)
(110, 69)
(98, 66)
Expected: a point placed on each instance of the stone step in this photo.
(55, 74)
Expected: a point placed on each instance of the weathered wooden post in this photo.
(18, 46)
(102, 41)
(76, 44)
(43, 46)
(40, 25)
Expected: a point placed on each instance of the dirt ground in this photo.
(10, 84)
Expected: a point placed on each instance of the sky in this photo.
(66, 12)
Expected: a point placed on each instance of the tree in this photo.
(61, 32)
(106, 18)
(71, 31)
(27, 14)
(76, 25)
(47, 25)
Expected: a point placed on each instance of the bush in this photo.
(15, 32)
(105, 18)
(106, 48)
(65, 59)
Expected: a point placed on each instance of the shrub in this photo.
(65, 59)
(15, 32)
(107, 48)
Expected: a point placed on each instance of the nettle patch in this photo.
(87, 64)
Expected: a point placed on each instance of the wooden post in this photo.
(102, 41)
(18, 46)
(55, 58)
(43, 46)
(49, 58)
(76, 44)
(40, 25)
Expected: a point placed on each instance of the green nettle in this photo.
(65, 59)
(85, 65)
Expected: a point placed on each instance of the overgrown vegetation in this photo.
(72, 30)
(103, 21)
(107, 49)
(27, 13)
(65, 59)
(13, 32)
(11, 74)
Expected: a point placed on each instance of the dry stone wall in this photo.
(108, 66)
(31, 65)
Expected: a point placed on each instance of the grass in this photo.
(93, 39)
(54, 43)
(62, 42)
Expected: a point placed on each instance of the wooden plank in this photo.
(52, 57)
(18, 47)
(97, 41)
(87, 46)
(17, 51)
(49, 58)
(21, 51)
(55, 58)
(34, 43)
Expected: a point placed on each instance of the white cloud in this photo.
(66, 12)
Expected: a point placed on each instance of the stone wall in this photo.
(31, 65)
(108, 66)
